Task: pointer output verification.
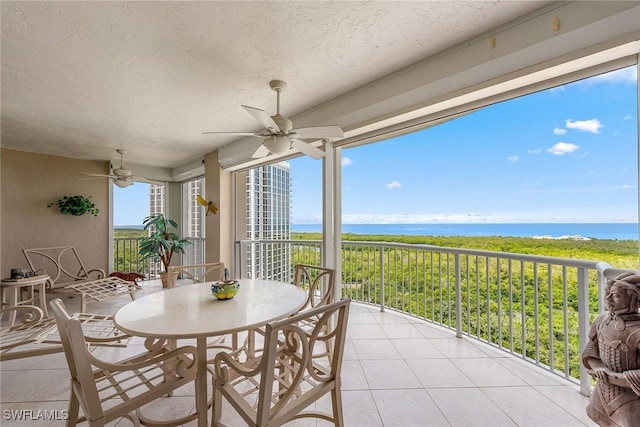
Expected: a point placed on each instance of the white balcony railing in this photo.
(126, 258)
(534, 307)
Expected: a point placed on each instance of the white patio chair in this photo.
(319, 283)
(68, 275)
(285, 380)
(36, 335)
(107, 391)
(200, 273)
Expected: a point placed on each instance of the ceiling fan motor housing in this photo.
(277, 144)
(283, 123)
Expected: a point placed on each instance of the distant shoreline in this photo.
(544, 231)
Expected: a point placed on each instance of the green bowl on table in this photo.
(225, 289)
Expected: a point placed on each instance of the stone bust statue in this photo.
(612, 355)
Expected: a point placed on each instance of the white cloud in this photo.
(562, 148)
(627, 117)
(624, 187)
(559, 131)
(536, 151)
(624, 75)
(393, 185)
(346, 161)
(558, 214)
(513, 158)
(592, 125)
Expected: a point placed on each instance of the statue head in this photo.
(623, 293)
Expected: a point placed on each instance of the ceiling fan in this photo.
(121, 176)
(279, 135)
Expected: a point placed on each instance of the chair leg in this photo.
(74, 408)
(216, 407)
(336, 403)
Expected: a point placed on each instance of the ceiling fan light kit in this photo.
(279, 136)
(121, 176)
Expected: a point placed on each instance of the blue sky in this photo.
(562, 155)
(567, 154)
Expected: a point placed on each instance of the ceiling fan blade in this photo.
(142, 179)
(307, 149)
(318, 132)
(234, 133)
(262, 117)
(97, 175)
(262, 151)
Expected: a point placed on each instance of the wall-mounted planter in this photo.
(75, 205)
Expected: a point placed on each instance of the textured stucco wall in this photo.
(28, 183)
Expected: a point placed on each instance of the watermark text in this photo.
(33, 415)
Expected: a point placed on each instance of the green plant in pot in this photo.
(75, 205)
(161, 244)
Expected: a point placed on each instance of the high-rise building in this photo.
(194, 224)
(269, 218)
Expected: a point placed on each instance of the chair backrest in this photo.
(307, 380)
(78, 360)
(200, 273)
(318, 282)
(62, 264)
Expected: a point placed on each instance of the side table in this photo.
(15, 285)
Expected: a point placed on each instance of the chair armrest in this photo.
(136, 363)
(32, 313)
(100, 272)
(247, 369)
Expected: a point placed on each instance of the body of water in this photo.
(616, 231)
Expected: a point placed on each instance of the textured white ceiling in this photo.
(80, 79)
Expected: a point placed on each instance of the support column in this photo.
(332, 212)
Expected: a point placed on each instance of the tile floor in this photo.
(398, 371)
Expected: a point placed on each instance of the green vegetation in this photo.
(125, 250)
(618, 253)
(500, 299)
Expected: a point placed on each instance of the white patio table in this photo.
(192, 311)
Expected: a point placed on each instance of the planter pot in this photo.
(168, 279)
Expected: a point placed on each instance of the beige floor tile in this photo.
(457, 348)
(408, 408)
(416, 348)
(388, 374)
(375, 349)
(569, 399)
(486, 372)
(359, 409)
(432, 331)
(529, 373)
(529, 408)
(365, 331)
(401, 330)
(469, 407)
(353, 377)
(434, 373)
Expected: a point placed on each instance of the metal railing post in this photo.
(381, 278)
(456, 258)
(584, 326)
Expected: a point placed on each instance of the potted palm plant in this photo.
(161, 244)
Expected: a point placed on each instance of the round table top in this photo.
(26, 281)
(193, 312)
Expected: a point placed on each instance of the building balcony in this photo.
(398, 370)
